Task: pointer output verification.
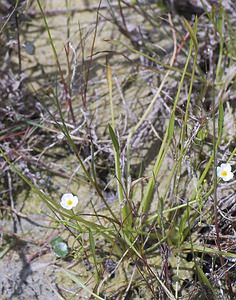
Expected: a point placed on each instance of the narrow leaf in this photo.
(192, 34)
(114, 138)
(92, 248)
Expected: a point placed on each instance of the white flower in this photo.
(224, 172)
(68, 201)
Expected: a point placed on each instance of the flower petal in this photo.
(226, 167)
(229, 176)
(218, 171)
(65, 205)
(66, 196)
(75, 201)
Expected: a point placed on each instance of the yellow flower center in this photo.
(223, 173)
(69, 202)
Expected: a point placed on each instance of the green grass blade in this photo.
(92, 249)
(75, 278)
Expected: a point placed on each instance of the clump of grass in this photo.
(166, 233)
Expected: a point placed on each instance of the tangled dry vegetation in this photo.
(65, 66)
